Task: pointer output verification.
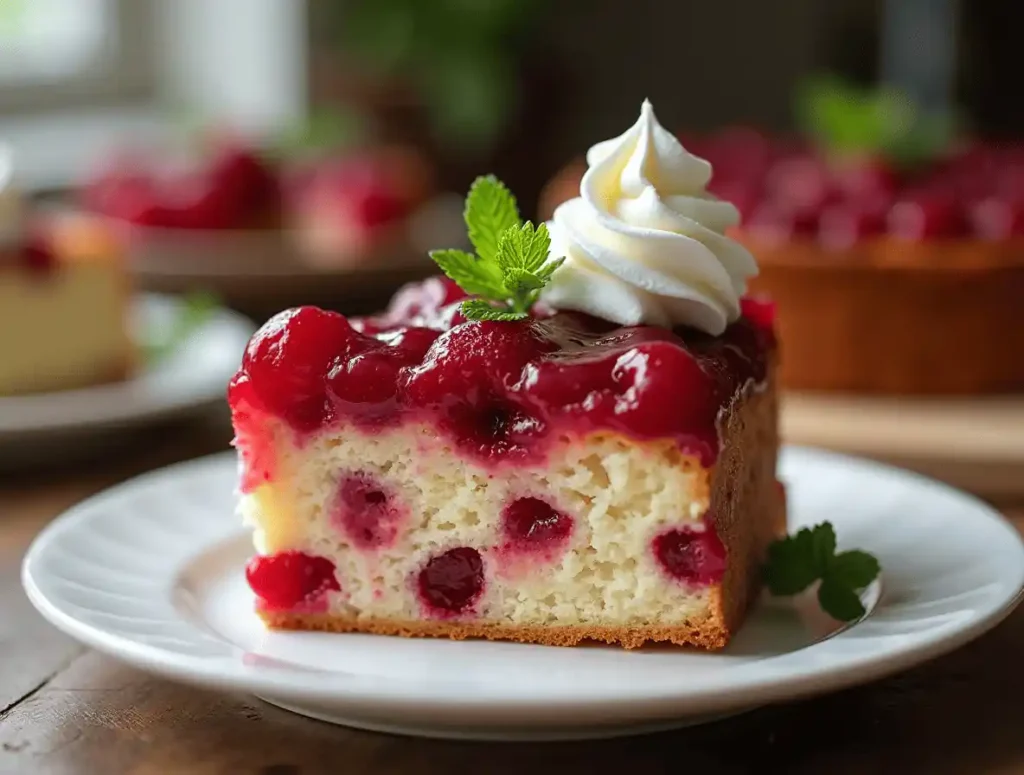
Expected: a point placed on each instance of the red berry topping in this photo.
(288, 359)
(497, 389)
(452, 582)
(799, 184)
(532, 524)
(367, 511)
(691, 556)
(286, 580)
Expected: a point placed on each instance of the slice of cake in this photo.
(64, 297)
(547, 473)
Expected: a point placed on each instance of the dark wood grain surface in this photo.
(65, 709)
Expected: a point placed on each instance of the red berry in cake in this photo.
(289, 579)
(240, 176)
(690, 556)
(451, 583)
(926, 215)
(534, 525)
(367, 512)
(288, 359)
(411, 344)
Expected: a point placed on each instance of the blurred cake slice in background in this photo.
(64, 297)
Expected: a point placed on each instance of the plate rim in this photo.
(229, 672)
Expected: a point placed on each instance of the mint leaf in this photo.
(823, 541)
(475, 277)
(478, 309)
(790, 568)
(545, 272)
(490, 211)
(839, 601)
(797, 561)
(525, 247)
(519, 282)
(854, 569)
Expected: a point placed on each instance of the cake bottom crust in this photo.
(706, 632)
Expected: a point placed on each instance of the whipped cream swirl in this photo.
(645, 241)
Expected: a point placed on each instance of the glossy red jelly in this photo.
(532, 525)
(500, 390)
(289, 579)
(451, 583)
(367, 511)
(690, 556)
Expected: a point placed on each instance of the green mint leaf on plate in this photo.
(854, 569)
(478, 309)
(798, 561)
(490, 210)
(512, 263)
(839, 601)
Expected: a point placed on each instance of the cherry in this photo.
(532, 524)
(367, 378)
(799, 184)
(452, 582)
(690, 556)
(366, 511)
(286, 580)
(287, 362)
(926, 215)
(774, 222)
(998, 219)
(869, 181)
(844, 225)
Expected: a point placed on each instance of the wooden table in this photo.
(66, 709)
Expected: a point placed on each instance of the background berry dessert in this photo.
(64, 299)
(578, 443)
(894, 253)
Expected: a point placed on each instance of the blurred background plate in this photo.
(976, 442)
(189, 380)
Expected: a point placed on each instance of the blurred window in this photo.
(56, 53)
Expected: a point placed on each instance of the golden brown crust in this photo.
(705, 633)
(918, 319)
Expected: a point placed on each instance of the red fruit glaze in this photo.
(503, 391)
(289, 579)
(288, 359)
(254, 444)
(534, 525)
(367, 512)
(690, 556)
(450, 583)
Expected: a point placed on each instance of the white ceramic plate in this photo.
(193, 377)
(151, 572)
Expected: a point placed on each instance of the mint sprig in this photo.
(193, 313)
(797, 561)
(511, 265)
